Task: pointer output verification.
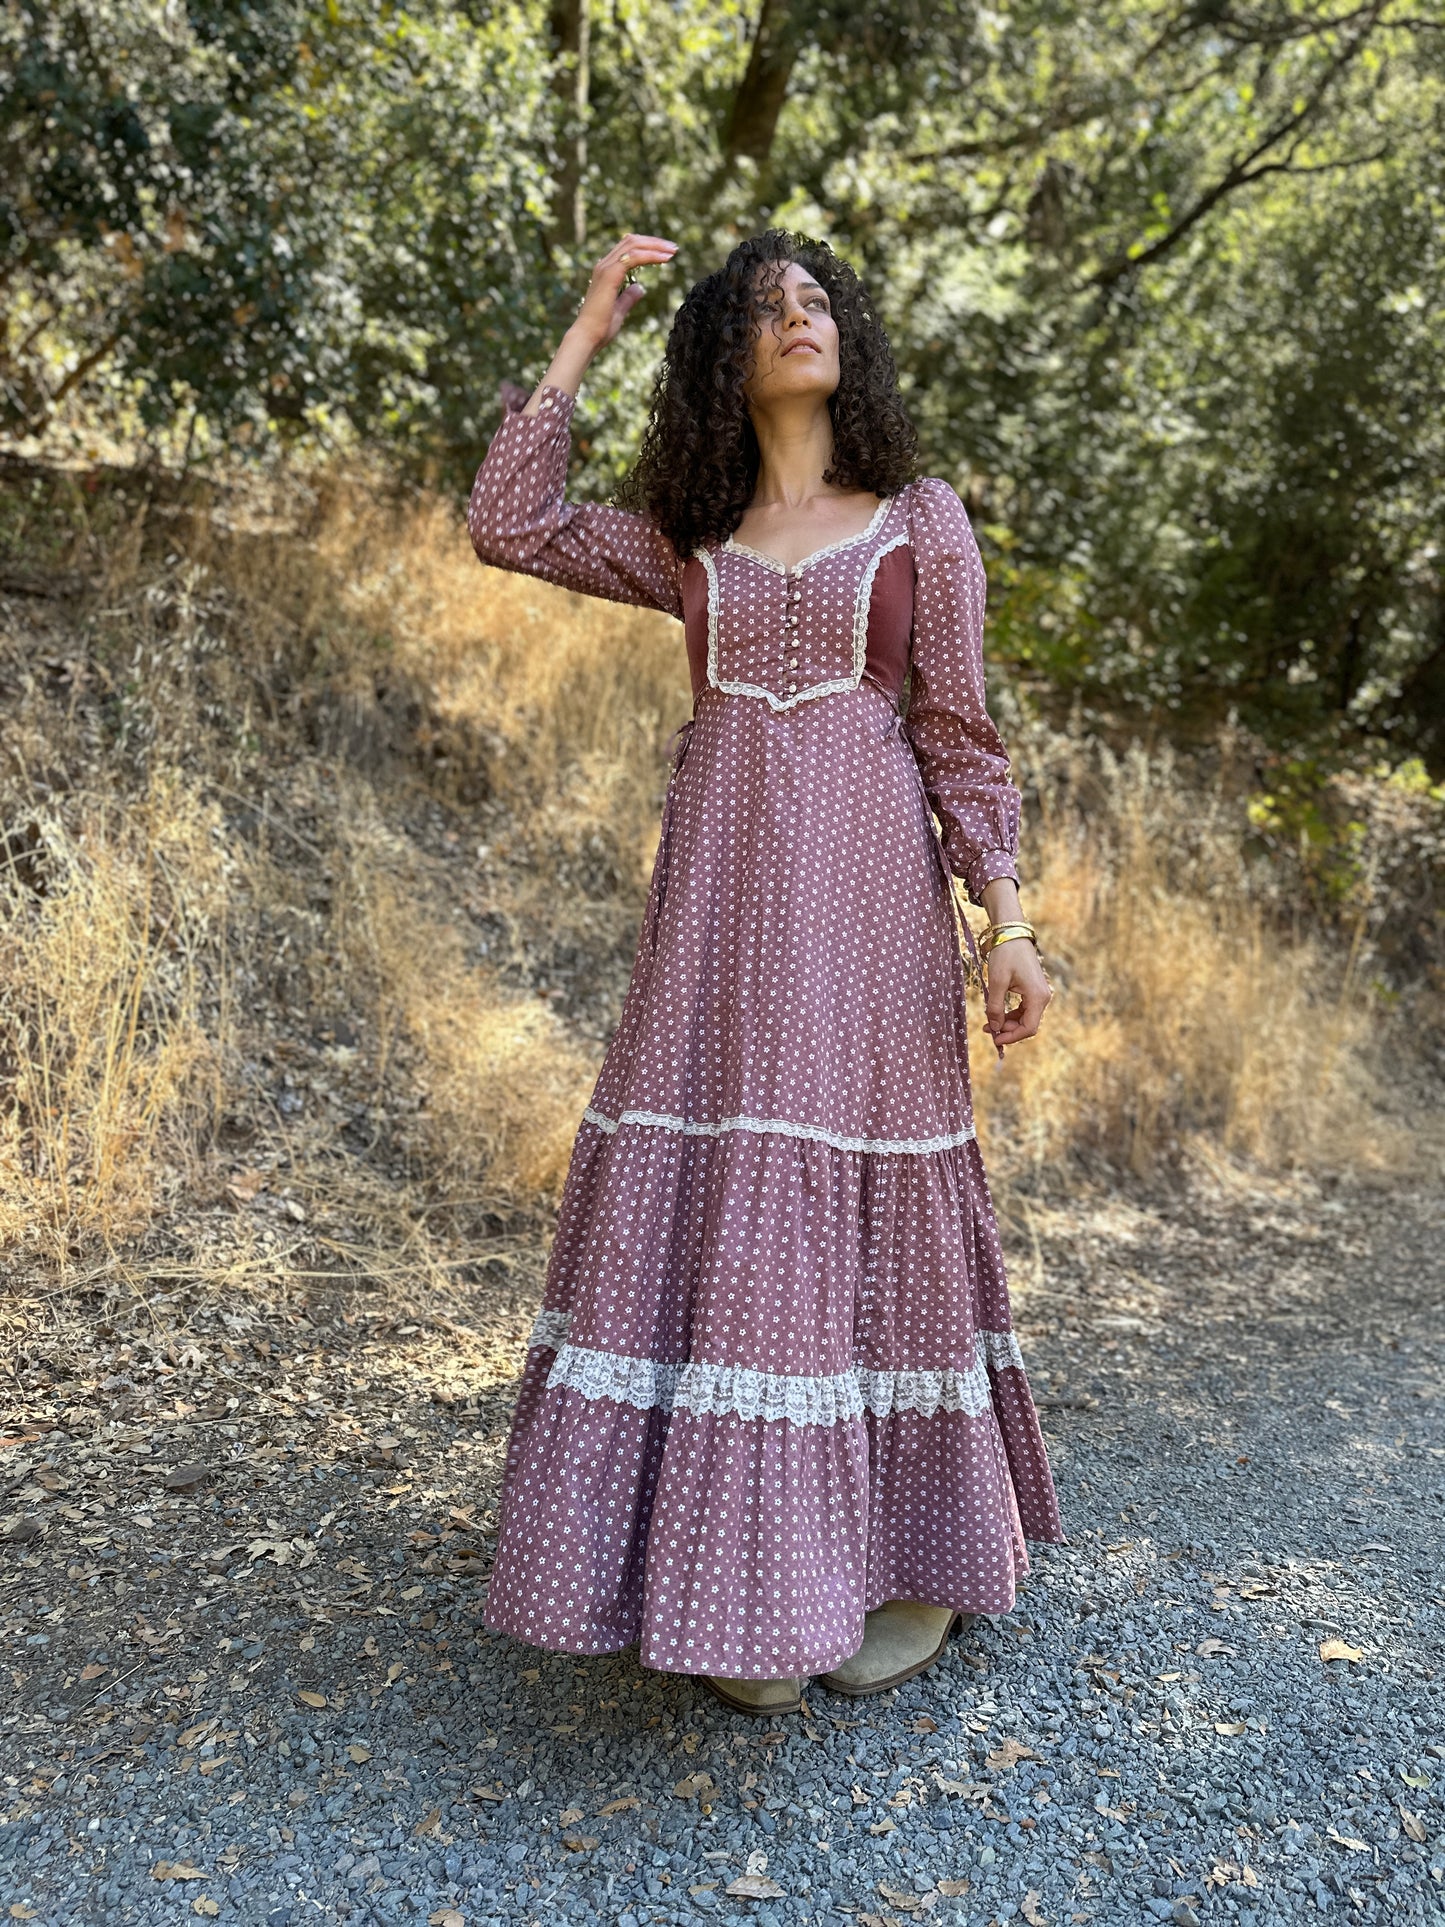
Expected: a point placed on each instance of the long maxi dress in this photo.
(774, 1382)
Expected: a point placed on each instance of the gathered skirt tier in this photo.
(774, 1382)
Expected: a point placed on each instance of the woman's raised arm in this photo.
(519, 516)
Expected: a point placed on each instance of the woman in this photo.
(774, 1422)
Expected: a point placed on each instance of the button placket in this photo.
(790, 626)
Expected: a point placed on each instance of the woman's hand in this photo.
(609, 299)
(1015, 966)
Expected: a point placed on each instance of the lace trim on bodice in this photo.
(782, 1127)
(861, 606)
(738, 1392)
(796, 568)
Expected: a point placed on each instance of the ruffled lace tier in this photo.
(738, 1392)
(738, 1546)
(732, 1444)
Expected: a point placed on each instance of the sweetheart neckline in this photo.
(730, 547)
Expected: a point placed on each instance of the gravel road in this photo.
(246, 1547)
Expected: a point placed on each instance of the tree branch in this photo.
(1244, 170)
(82, 368)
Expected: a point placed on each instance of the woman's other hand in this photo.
(609, 298)
(1015, 966)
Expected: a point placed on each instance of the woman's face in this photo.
(795, 342)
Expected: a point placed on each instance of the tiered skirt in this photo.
(774, 1382)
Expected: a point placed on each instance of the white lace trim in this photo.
(549, 1330)
(782, 1127)
(832, 548)
(836, 685)
(734, 688)
(737, 1391)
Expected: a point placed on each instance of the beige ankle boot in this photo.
(899, 1640)
(765, 1696)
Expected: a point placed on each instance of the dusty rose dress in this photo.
(774, 1381)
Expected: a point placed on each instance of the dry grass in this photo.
(114, 1009)
(499, 1078)
(1182, 1018)
(284, 765)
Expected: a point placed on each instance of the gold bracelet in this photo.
(1006, 933)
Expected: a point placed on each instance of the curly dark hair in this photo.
(697, 466)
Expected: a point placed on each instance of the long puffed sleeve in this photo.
(960, 754)
(519, 517)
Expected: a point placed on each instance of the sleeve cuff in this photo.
(986, 868)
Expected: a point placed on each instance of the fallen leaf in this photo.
(427, 1825)
(446, 1917)
(185, 1478)
(884, 1826)
(757, 1861)
(697, 1786)
(203, 1904)
(19, 1911)
(1008, 1753)
(754, 1886)
(579, 1842)
(906, 1902)
(1416, 1780)
(92, 1671)
(1249, 1877)
(1029, 1906)
(312, 1699)
(619, 1806)
(1338, 1649)
(1344, 1840)
(570, 1817)
(952, 1889)
(1230, 1728)
(358, 1755)
(923, 1724)
(395, 1671)
(175, 1870)
(245, 1185)
(976, 1790)
(1214, 1649)
(703, 1887)
(1412, 1823)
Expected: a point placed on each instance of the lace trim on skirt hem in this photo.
(740, 1392)
(782, 1127)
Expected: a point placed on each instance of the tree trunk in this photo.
(753, 118)
(570, 28)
